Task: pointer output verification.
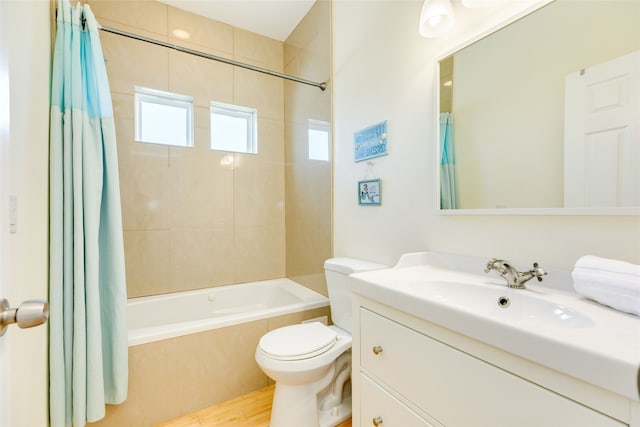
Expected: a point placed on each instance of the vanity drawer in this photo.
(458, 389)
(380, 408)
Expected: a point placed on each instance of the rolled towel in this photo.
(608, 281)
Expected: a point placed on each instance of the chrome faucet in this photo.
(515, 279)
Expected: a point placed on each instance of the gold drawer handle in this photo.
(377, 421)
(377, 349)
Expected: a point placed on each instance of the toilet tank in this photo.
(337, 271)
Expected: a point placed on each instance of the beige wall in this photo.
(382, 39)
(511, 99)
(194, 217)
(307, 182)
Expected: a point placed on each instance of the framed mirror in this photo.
(543, 115)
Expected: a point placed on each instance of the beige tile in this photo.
(218, 365)
(314, 281)
(204, 79)
(205, 34)
(271, 140)
(144, 181)
(152, 397)
(260, 253)
(259, 191)
(294, 318)
(262, 92)
(147, 261)
(314, 28)
(144, 15)
(123, 108)
(201, 258)
(132, 63)
(201, 185)
(258, 50)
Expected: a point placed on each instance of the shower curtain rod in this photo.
(322, 85)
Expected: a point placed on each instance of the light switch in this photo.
(13, 214)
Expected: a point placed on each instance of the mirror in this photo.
(541, 113)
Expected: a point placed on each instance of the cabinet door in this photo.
(458, 389)
(379, 408)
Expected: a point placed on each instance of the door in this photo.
(5, 403)
(602, 135)
(25, 53)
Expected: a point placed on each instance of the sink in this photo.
(552, 327)
(502, 304)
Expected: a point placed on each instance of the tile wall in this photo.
(308, 182)
(194, 217)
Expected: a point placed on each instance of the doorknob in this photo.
(30, 313)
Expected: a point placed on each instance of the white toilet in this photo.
(311, 362)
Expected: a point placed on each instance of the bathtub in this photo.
(200, 345)
(162, 317)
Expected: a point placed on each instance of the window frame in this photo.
(159, 97)
(236, 111)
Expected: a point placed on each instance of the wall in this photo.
(194, 217)
(525, 90)
(29, 56)
(307, 182)
(383, 69)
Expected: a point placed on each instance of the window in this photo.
(319, 140)
(163, 117)
(233, 128)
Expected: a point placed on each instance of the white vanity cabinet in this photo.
(406, 377)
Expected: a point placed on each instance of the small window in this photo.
(234, 128)
(319, 140)
(163, 117)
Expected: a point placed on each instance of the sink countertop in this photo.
(557, 329)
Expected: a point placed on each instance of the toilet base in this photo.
(335, 415)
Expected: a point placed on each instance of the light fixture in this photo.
(436, 18)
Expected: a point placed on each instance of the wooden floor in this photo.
(250, 410)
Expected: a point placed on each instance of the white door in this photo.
(25, 46)
(602, 135)
(5, 404)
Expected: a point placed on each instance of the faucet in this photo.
(515, 279)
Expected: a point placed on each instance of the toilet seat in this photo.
(298, 342)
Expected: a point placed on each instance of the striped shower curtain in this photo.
(87, 292)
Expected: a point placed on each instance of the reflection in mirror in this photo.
(542, 114)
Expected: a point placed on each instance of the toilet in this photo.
(311, 362)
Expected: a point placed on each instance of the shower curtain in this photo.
(87, 293)
(448, 184)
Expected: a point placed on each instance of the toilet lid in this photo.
(298, 342)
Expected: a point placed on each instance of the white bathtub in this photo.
(161, 317)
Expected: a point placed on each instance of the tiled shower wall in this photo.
(308, 182)
(194, 217)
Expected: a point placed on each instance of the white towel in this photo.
(608, 281)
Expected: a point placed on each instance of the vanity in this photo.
(436, 343)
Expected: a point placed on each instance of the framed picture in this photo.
(369, 192)
(371, 142)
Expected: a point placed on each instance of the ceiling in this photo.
(272, 18)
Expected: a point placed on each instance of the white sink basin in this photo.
(550, 327)
(502, 304)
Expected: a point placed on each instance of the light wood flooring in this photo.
(250, 410)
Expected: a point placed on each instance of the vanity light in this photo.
(436, 18)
